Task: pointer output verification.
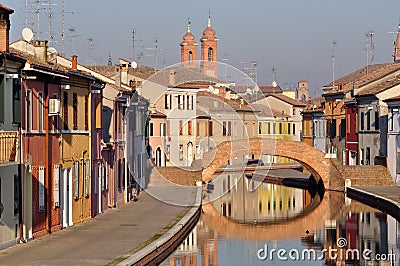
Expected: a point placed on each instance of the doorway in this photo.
(66, 197)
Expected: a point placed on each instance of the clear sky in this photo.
(294, 36)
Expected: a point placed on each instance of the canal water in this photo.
(250, 223)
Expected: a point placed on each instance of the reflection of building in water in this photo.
(187, 252)
(201, 242)
(373, 233)
(247, 203)
(393, 237)
(364, 230)
(279, 201)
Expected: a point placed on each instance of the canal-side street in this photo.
(102, 240)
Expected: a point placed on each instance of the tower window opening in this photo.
(210, 54)
(190, 54)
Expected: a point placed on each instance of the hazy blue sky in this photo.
(294, 36)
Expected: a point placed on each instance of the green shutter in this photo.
(2, 100)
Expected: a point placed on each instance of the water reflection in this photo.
(237, 224)
(244, 203)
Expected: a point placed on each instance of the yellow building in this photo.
(75, 148)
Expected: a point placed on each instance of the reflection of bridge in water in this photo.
(312, 219)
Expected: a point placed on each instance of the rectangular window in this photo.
(40, 110)
(368, 156)
(376, 120)
(391, 120)
(223, 128)
(166, 101)
(76, 180)
(343, 128)
(197, 129)
(362, 117)
(183, 102)
(87, 177)
(151, 129)
(180, 128)
(180, 152)
(269, 128)
(16, 100)
(361, 156)
(368, 120)
(179, 102)
(294, 128)
(56, 185)
(29, 110)
(273, 128)
(41, 188)
(288, 128)
(65, 110)
(188, 102)
(75, 111)
(189, 128)
(259, 128)
(280, 128)
(348, 126)
(229, 130)
(210, 128)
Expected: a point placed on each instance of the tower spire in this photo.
(209, 19)
(188, 26)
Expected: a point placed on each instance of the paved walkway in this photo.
(103, 239)
(388, 192)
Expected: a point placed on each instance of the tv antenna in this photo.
(155, 49)
(49, 6)
(73, 36)
(274, 71)
(63, 12)
(370, 48)
(334, 43)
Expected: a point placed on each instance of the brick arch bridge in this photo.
(311, 158)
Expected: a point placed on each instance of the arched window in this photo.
(303, 98)
(210, 54)
(190, 56)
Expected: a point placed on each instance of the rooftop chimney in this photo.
(171, 81)
(118, 71)
(40, 47)
(5, 28)
(74, 62)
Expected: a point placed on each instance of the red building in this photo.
(41, 138)
(351, 132)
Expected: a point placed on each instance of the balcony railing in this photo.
(8, 147)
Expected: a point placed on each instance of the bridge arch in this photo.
(312, 159)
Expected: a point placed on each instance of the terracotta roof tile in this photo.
(287, 99)
(234, 104)
(381, 86)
